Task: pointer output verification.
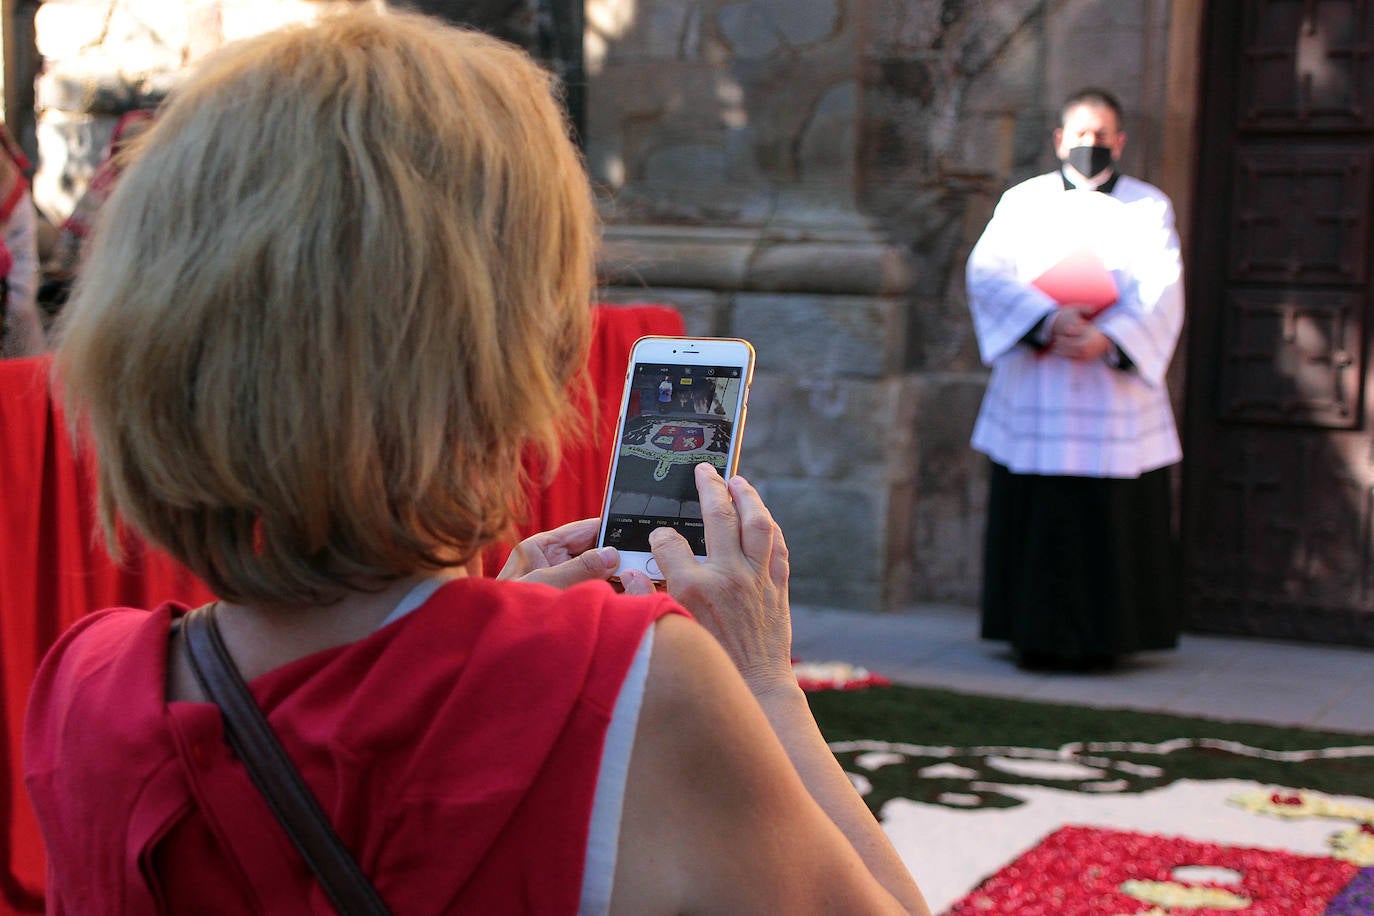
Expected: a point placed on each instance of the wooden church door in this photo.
(1278, 482)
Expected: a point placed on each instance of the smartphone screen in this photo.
(684, 404)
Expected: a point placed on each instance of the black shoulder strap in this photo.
(272, 772)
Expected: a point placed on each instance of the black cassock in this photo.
(1080, 568)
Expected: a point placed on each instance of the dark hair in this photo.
(1098, 98)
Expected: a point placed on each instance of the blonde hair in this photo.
(341, 289)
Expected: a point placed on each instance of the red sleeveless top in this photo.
(455, 751)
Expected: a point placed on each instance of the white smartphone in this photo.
(685, 402)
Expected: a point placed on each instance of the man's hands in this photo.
(1073, 336)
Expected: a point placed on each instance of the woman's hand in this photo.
(739, 593)
(563, 558)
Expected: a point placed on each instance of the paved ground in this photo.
(1223, 678)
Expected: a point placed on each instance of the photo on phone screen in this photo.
(676, 415)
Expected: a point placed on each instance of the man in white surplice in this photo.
(1076, 419)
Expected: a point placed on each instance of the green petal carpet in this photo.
(1012, 807)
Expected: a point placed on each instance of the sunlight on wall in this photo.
(248, 17)
(611, 170)
(607, 20)
(62, 29)
(122, 44)
(1314, 62)
(730, 94)
(1311, 359)
(65, 28)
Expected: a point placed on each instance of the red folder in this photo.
(1081, 279)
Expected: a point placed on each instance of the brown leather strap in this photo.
(272, 771)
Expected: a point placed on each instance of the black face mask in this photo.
(1089, 160)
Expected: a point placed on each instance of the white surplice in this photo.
(1045, 414)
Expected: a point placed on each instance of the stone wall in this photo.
(811, 175)
(808, 174)
(830, 409)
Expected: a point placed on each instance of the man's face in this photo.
(1089, 125)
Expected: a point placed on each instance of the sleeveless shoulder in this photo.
(478, 718)
(93, 744)
(106, 671)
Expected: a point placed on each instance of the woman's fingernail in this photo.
(608, 556)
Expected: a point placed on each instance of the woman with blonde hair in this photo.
(340, 289)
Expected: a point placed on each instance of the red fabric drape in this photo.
(577, 488)
(54, 568)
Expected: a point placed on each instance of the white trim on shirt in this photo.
(603, 839)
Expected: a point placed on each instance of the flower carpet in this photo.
(1013, 807)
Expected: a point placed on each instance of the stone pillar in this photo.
(727, 134)
(828, 436)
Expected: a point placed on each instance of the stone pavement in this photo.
(1255, 680)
